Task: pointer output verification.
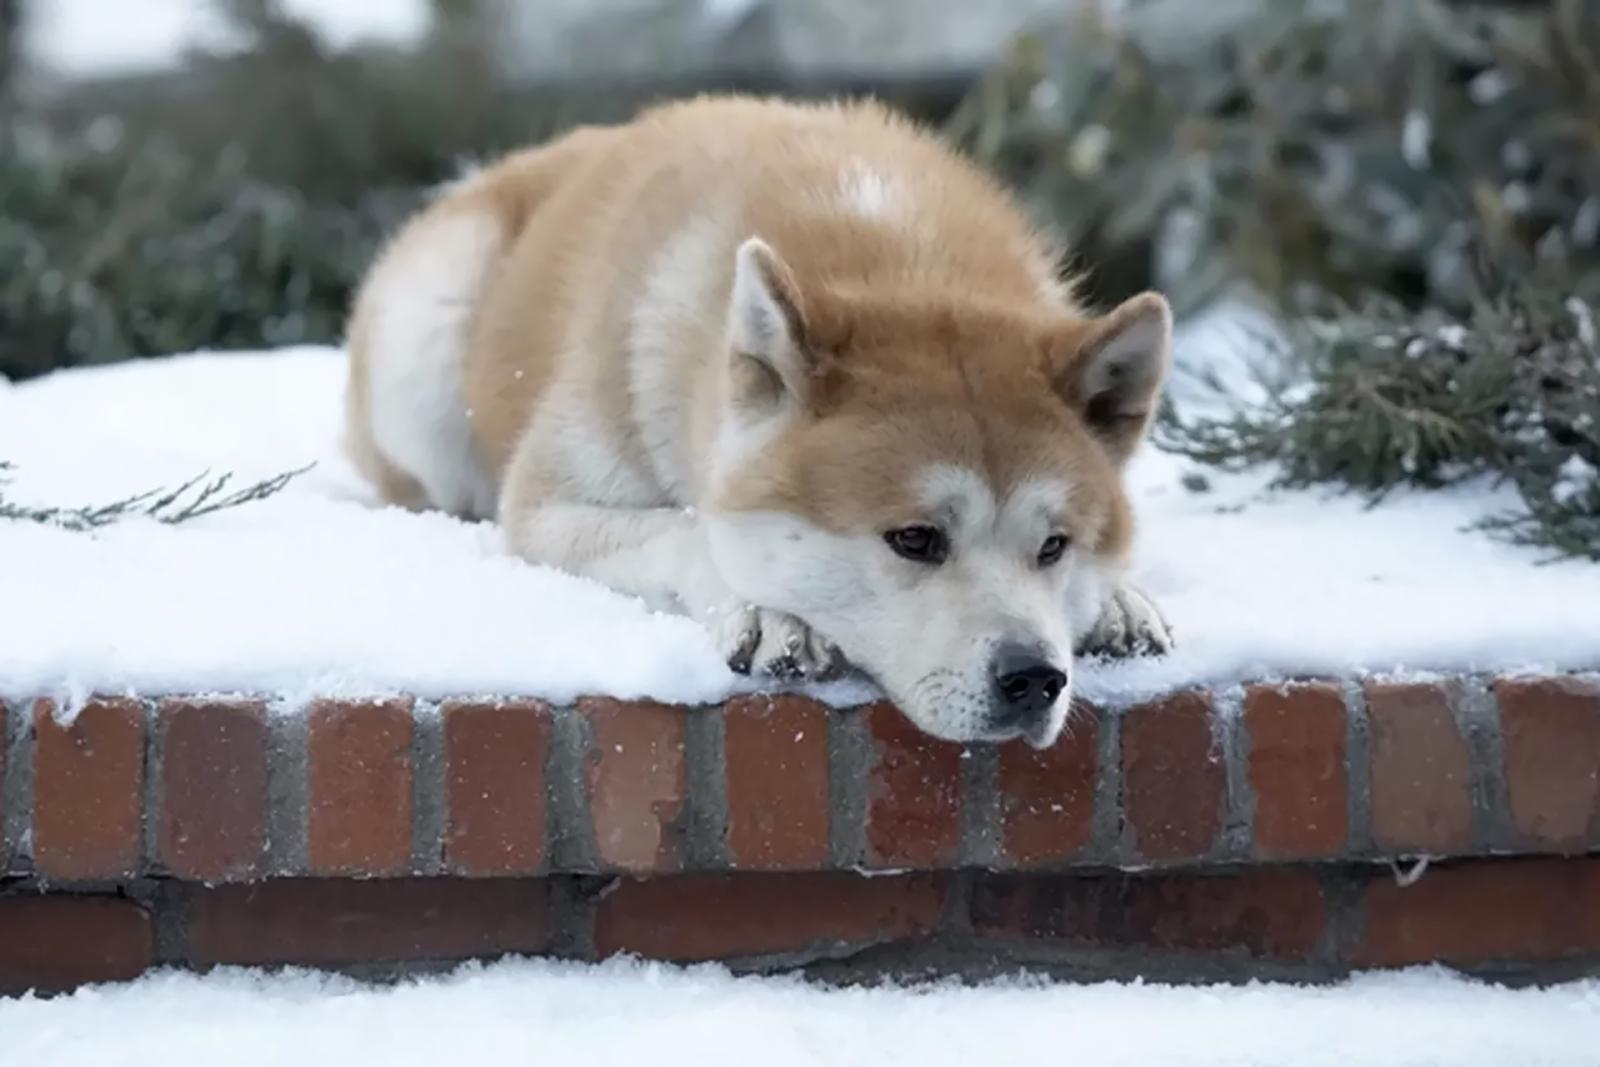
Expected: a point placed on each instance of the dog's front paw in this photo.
(1130, 624)
(776, 645)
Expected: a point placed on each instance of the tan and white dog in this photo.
(797, 371)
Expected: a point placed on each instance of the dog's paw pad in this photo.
(783, 668)
(774, 645)
(1129, 625)
(791, 651)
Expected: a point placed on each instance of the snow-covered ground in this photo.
(539, 1013)
(314, 590)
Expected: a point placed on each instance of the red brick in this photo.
(88, 790)
(1047, 796)
(775, 752)
(213, 788)
(1265, 913)
(359, 787)
(1551, 728)
(739, 916)
(1173, 779)
(1297, 769)
(638, 779)
(328, 922)
(1268, 913)
(1421, 771)
(1487, 911)
(51, 944)
(914, 795)
(1015, 905)
(495, 756)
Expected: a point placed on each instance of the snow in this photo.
(1416, 139)
(313, 591)
(1583, 316)
(1575, 478)
(625, 1012)
(317, 592)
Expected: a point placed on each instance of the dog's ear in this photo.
(771, 364)
(1111, 369)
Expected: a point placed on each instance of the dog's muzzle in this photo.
(1024, 688)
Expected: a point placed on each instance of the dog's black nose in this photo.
(1025, 680)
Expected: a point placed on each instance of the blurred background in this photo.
(1409, 190)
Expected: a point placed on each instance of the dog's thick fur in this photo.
(717, 356)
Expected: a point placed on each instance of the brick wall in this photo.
(1236, 832)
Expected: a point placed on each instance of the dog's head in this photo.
(927, 481)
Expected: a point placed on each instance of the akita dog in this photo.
(798, 371)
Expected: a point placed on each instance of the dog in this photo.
(797, 370)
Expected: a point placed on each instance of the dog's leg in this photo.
(1129, 624)
(660, 555)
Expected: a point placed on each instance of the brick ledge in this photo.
(219, 790)
(211, 821)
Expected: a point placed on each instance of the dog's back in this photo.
(576, 290)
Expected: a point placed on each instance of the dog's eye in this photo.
(1054, 547)
(922, 544)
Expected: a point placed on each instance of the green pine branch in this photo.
(1381, 396)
